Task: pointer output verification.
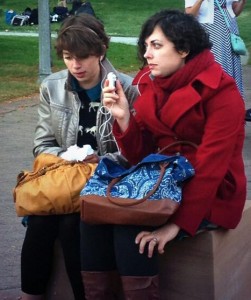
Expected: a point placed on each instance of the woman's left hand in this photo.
(156, 239)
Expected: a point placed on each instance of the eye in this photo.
(67, 56)
(156, 45)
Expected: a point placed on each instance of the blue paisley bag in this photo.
(146, 194)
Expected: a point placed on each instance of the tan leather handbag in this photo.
(53, 187)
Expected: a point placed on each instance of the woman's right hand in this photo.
(156, 239)
(117, 104)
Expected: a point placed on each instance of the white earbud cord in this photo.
(107, 125)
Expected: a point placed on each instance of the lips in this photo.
(80, 74)
(151, 66)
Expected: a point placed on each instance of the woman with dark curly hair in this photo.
(184, 95)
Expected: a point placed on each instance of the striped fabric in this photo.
(220, 37)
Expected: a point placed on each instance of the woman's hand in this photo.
(117, 104)
(157, 238)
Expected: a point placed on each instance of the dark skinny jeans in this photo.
(112, 247)
(38, 252)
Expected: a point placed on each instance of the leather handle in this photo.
(21, 179)
(132, 202)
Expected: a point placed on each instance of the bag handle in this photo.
(132, 202)
(223, 14)
(21, 177)
(163, 166)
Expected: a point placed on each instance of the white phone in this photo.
(112, 79)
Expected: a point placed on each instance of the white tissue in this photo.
(76, 153)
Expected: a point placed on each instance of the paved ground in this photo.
(17, 121)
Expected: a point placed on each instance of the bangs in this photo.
(80, 42)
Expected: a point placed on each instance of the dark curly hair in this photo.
(82, 35)
(183, 30)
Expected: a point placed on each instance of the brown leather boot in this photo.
(141, 287)
(101, 285)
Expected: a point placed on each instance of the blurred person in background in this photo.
(208, 14)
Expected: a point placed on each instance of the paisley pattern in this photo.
(137, 181)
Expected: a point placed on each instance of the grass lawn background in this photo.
(19, 59)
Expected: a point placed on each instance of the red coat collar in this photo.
(181, 100)
(210, 77)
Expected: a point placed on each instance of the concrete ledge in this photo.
(59, 287)
(213, 265)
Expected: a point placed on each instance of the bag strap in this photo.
(223, 13)
(21, 178)
(132, 202)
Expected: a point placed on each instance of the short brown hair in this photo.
(82, 35)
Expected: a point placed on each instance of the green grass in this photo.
(120, 17)
(19, 61)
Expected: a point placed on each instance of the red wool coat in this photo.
(209, 112)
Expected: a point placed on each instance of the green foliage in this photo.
(126, 17)
(244, 22)
(20, 58)
(123, 57)
(18, 72)
(119, 17)
(20, 63)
